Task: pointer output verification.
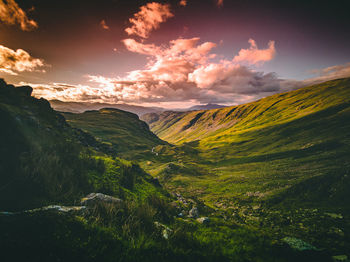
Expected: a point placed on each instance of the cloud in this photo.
(104, 25)
(220, 3)
(184, 70)
(11, 13)
(68, 92)
(253, 55)
(181, 70)
(149, 18)
(12, 61)
(172, 82)
(332, 72)
(183, 2)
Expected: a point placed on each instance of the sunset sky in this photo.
(172, 53)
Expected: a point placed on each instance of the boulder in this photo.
(94, 198)
(193, 212)
(78, 210)
(203, 220)
(166, 231)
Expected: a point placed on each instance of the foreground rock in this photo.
(62, 209)
(193, 213)
(94, 198)
(203, 220)
(166, 231)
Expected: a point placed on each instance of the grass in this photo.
(123, 130)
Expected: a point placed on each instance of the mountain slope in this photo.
(43, 160)
(256, 151)
(178, 127)
(128, 135)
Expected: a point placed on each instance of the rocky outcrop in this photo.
(204, 220)
(94, 198)
(194, 213)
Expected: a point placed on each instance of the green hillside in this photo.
(265, 146)
(44, 161)
(276, 159)
(122, 130)
(220, 124)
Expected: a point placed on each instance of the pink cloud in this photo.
(184, 70)
(12, 61)
(137, 47)
(11, 13)
(253, 55)
(183, 2)
(149, 18)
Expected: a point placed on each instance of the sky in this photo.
(172, 54)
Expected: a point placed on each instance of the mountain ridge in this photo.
(170, 125)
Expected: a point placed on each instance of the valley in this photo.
(271, 177)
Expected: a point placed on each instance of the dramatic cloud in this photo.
(11, 13)
(253, 55)
(181, 70)
(175, 82)
(12, 61)
(104, 25)
(184, 70)
(148, 18)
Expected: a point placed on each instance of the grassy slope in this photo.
(288, 153)
(45, 161)
(220, 124)
(128, 135)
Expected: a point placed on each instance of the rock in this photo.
(63, 209)
(25, 90)
(193, 212)
(203, 220)
(94, 198)
(166, 231)
(180, 214)
(340, 258)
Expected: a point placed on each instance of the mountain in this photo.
(43, 160)
(128, 135)
(204, 107)
(178, 127)
(80, 107)
(276, 145)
